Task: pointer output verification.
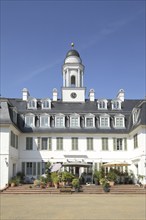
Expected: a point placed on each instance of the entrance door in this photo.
(77, 171)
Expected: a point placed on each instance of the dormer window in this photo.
(102, 104)
(30, 120)
(119, 121)
(60, 121)
(116, 104)
(32, 103)
(45, 120)
(74, 121)
(46, 103)
(105, 121)
(135, 115)
(89, 121)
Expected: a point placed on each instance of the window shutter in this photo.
(125, 144)
(49, 143)
(114, 144)
(39, 143)
(34, 168)
(23, 168)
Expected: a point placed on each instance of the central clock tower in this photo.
(73, 70)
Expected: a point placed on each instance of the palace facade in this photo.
(72, 129)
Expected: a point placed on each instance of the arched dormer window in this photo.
(46, 103)
(104, 121)
(32, 103)
(102, 104)
(60, 121)
(116, 104)
(75, 121)
(119, 121)
(30, 120)
(44, 120)
(89, 121)
(73, 81)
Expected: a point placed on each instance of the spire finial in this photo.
(72, 45)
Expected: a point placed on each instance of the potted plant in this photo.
(56, 181)
(76, 184)
(111, 176)
(105, 184)
(66, 177)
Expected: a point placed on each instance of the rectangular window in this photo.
(89, 122)
(89, 143)
(59, 122)
(135, 138)
(119, 122)
(14, 140)
(74, 122)
(104, 122)
(49, 143)
(74, 143)
(29, 121)
(104, 143)
(44, 144)
(59, 143)
(118, 143)
(29, 143)
(44, 121)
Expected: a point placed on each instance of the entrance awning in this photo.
(76, 164)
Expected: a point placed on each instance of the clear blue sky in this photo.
(109, 35)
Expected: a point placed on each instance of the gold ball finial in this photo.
(72, 45)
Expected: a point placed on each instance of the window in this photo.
(44, 120)
(104, 143)
(59, 143)
(32, 103)
(74, 121)
(60, 121)
(119, 121)
(89, 121)
(44, 143)
(29, 143)
(116, 104)
(135, 115)
(29, 168)
(135, 138)
(89, 143)
(120, 143)
(14, 140)
(29, 120)
(102, 104)
(73, 81)
(104, 121)
(74, 143)
(46, 103)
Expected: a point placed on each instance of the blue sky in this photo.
(109, 35)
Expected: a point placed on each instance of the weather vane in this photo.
(72, 45)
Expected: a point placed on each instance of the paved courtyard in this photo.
(72, 207)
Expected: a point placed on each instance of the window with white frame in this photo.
(120, 144)
(74, 143)
(59, 143)
(89, 121)
(89, 143)
(116, 104)
(135, 115)
(104, 143)
(29, 143)
(32, 103)
(119, 121)
(45, 120)
(44, 143)
(74, 121)
(46, 103)
(104, 121)
(102, 104)
(60, 121)
(14, 140)
(30, 120)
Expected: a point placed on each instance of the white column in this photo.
(78, 81)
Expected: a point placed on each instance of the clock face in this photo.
(73, 95)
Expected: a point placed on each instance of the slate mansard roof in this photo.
(14, 111)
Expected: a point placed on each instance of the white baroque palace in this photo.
(71, 129)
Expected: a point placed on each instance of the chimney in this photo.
(55, 94)
(25, 94)
(121, 94)
(92, 95)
